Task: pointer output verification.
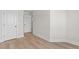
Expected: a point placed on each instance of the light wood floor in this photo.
(33, 42)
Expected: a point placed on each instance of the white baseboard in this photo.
(73, 42)
(41, 37)
(2, 41)
(58, 40)
(65, 40)
(20, 36)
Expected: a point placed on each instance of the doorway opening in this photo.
(27, 22)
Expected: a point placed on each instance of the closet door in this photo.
(3, 25)
(0, 25)
(11, 24)
(27, 23)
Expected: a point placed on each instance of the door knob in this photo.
(15, 26)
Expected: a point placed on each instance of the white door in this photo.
(3, 25)
(27, 23)
(0, 25)
(10, 24)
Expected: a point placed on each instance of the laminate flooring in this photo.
(32, 42)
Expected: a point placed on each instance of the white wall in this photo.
(41, 24)
(20, 31)
(73, 26)
(57, 25)
(64, 26)
(50, 25)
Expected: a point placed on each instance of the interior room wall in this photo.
(73, 26)
(41, 24)
(57, 25)
(20, 30)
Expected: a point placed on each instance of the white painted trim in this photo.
(2, 41)
(73, 42)
(58, 40)
(20, 36)
(65, 40)
(42, 37)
